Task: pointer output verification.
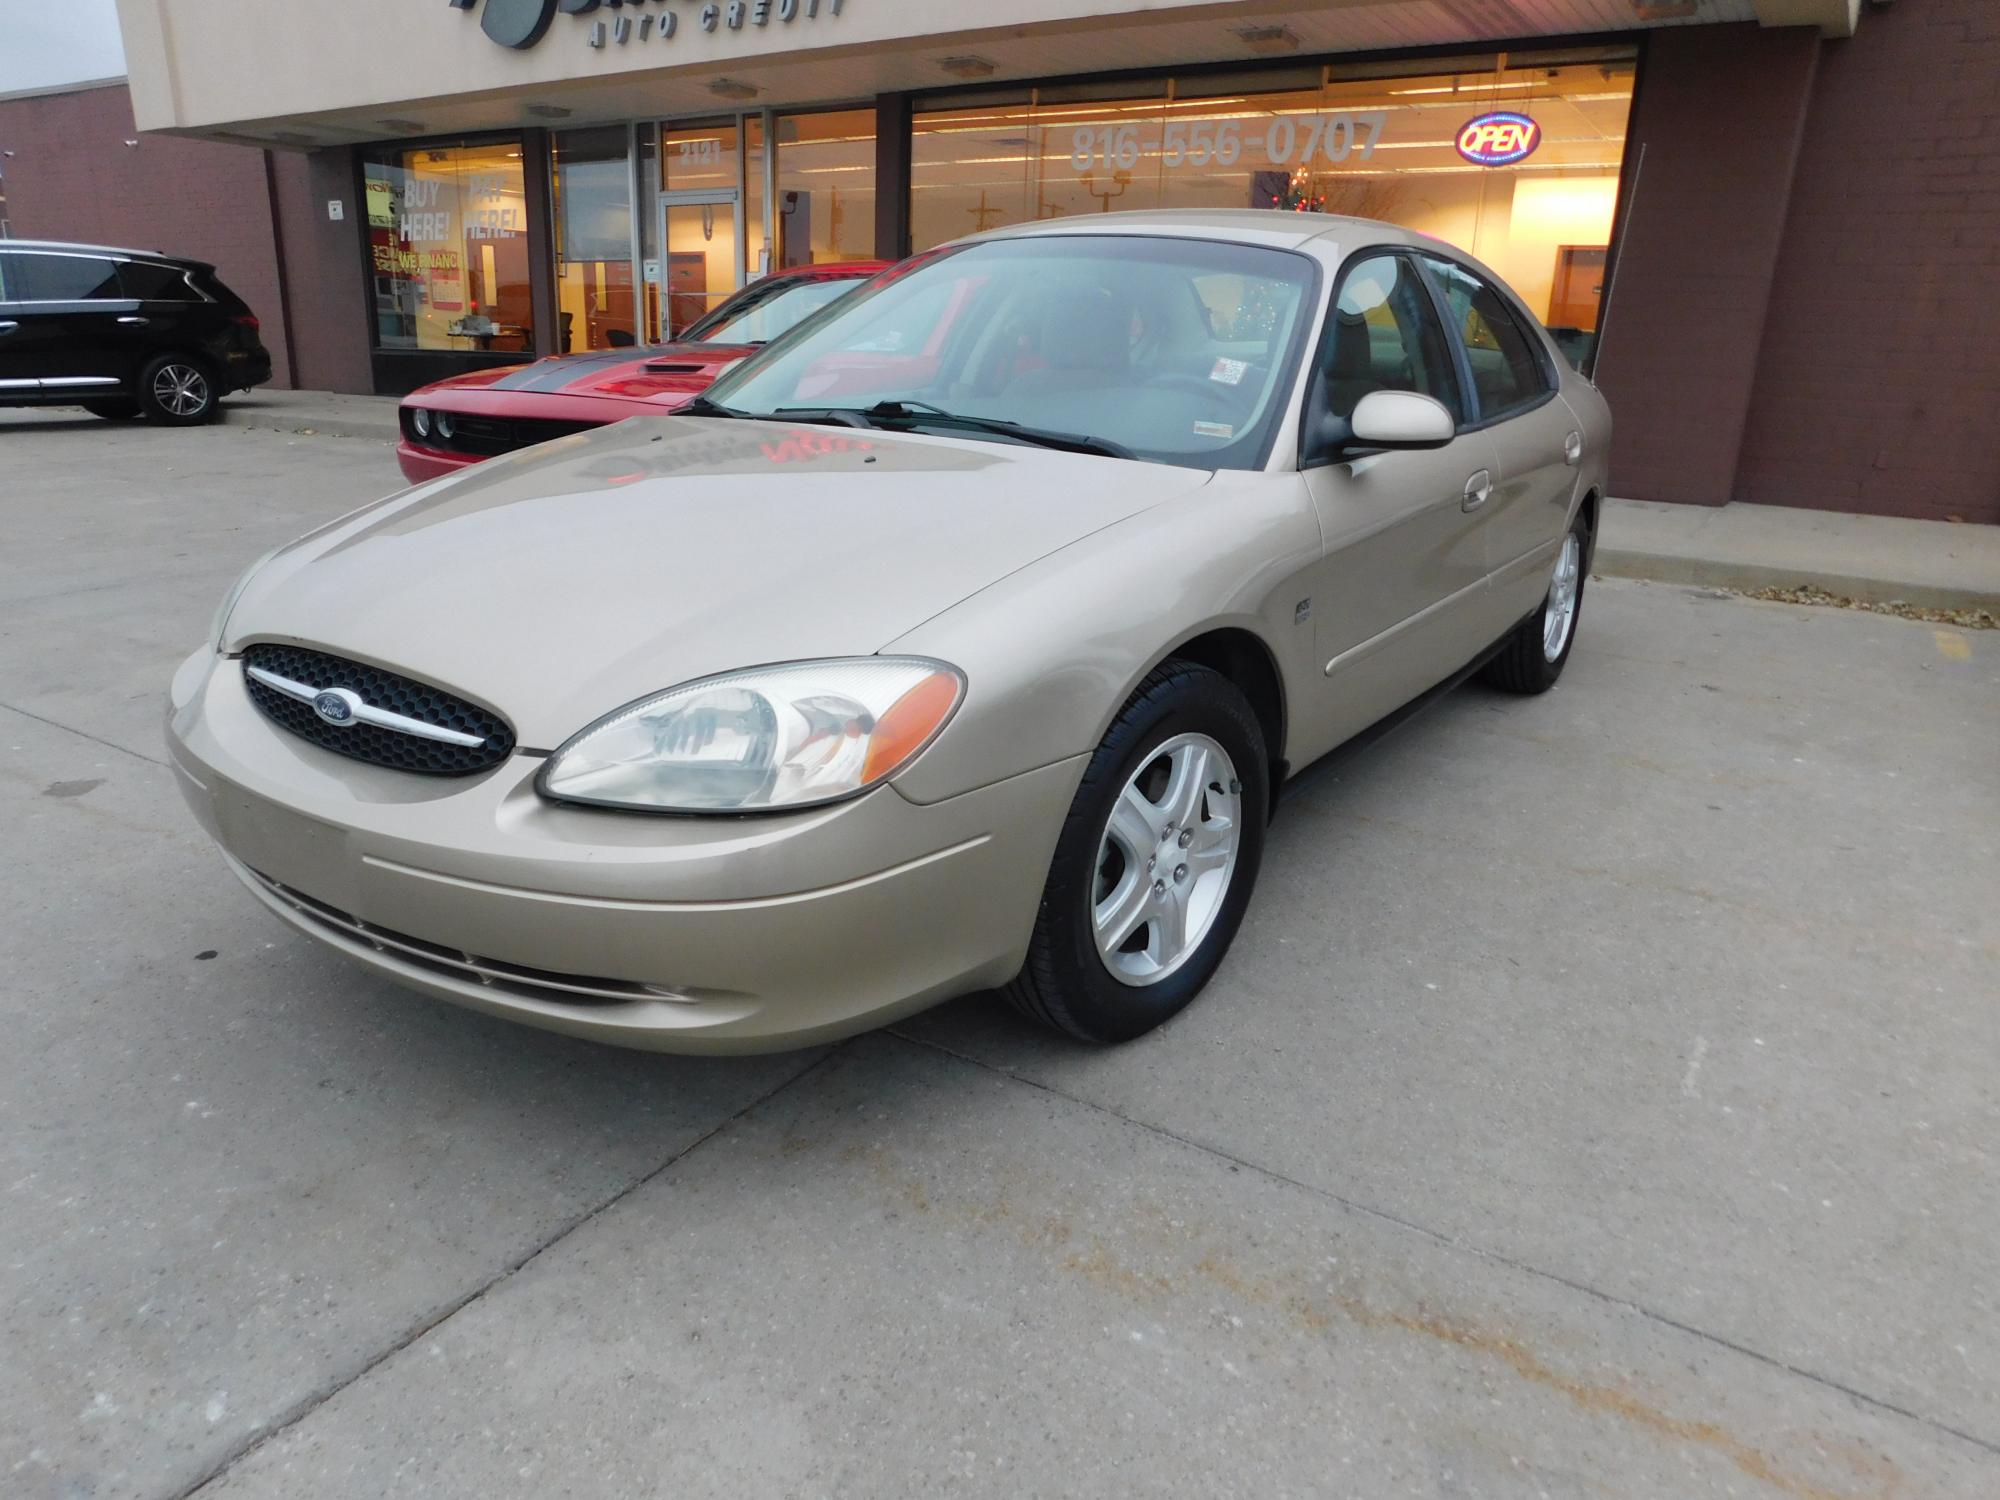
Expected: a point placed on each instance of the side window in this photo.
(1383, 335)
(60, 278)
(1505, 372)
(151, 283)
(6, 277)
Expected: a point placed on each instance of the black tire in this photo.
(1066, 984)
(1524, 664)
(113, 411)
(178, 391)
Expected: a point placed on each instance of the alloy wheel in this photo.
(1559, 616)
(1166, 859)
(181, 390)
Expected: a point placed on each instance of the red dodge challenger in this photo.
(472, 417)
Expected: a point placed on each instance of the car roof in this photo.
(80, 248)
(1264, 226)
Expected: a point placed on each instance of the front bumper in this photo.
(673, 934)
(420, 464)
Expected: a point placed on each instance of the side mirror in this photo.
(1400, 419)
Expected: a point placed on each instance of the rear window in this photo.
(32, 277)
(156, 283)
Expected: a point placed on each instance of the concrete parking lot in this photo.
(1602, 1099)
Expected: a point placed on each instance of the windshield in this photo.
(1178, 350)
(767, 317)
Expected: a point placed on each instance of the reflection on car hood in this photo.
(564, 581)
(667, 373)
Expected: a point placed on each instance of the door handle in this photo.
(1478, 490)
(1573, 449)
(135, 321)
(7, 328)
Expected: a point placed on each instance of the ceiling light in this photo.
(1474, 85)
(1269, 38)
(550, 112)
(729, 88)
(967, 67)
(402, 127)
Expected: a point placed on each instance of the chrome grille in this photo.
(388, 691)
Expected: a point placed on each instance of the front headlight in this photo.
(767, 739)
(221, 621)
(421, 420)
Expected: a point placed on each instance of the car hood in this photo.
(562, 582)
(666, 373)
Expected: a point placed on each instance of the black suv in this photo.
(122, 333)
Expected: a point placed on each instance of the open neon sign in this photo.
(1498, 139)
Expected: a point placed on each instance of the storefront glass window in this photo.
(826, 187)
(711, 231)
(702, 257)
(1514, 158)
(593, 201)
(448, 248)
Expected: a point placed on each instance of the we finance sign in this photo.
(522, 23)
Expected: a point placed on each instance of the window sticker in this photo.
(1229, 372)
(1214, 430)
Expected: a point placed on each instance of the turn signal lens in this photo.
(909, 724)
(769, 739)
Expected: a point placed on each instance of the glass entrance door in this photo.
(701, 233)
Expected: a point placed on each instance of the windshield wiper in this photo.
(831, 416)
(701, 406)
(923, 414)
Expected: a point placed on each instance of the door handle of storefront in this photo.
(1573, 449)
(1478, 490)
(135, 321)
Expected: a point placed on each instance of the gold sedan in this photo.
(959, 640)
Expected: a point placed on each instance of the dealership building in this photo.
(1770, 228)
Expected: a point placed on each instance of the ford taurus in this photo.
(959, 640)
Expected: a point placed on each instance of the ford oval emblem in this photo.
(1498, 139)
(336, 706)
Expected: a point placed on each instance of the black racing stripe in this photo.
(555, 374)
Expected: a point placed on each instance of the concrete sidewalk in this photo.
(327, 413)
(1877, 559)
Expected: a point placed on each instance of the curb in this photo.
(328, 426)
(1659, 567)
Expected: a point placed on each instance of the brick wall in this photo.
(1719, 112)
(70, 176)
(329, 304)
(1880, 367)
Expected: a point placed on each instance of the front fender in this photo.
(1052, 652)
